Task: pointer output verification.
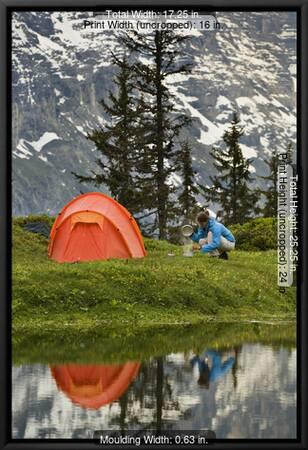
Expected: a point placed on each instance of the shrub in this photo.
(22, 220)
(257, 234)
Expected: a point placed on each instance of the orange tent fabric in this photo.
(94, 386)
(94, 226)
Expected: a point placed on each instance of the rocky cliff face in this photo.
(60, 72)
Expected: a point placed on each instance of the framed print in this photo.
(152, 224)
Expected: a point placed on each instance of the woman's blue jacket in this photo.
(218, 230)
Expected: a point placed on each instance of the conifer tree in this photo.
(161, 123)
(187, 198)
(271, 193)
(231, 186)
(118, 142)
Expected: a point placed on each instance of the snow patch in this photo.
(63, 24)
(20, 155)
(23, 149)
(212, 135)
(248, 152)
(264, 141)
(260, 99)
(18, 31)
(43, 140)
(213, 132)
(290, 34)
(223, 101)
(293, 72)
(292, 69)
(61, 75)
(246, 102)
(175, 179)
(47, 44)
(81, 129)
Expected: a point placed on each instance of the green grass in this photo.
(154, 291)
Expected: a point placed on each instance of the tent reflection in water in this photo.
(94, 226)
(93, 386)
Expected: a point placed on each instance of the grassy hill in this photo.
(154, 291)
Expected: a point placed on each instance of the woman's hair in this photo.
(203, 216)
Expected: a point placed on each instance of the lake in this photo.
(244, 387)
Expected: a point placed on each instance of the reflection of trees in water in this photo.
(165, 394)
(237, 350)
(123, 412)
(152, 393)
(159, 392)
(151, 402)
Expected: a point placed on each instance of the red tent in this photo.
(94, 386)
(94, 226)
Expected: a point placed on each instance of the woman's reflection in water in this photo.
(209, 367)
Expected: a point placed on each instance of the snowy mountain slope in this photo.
(61, 71)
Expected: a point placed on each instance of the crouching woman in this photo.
(213, 237)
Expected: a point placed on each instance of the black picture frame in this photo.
(6, 6)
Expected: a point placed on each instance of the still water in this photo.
(244, 391)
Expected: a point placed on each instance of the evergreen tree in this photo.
(161, 124)
(230, 188)
(271, 193)
(118, 142)
(187, 199)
